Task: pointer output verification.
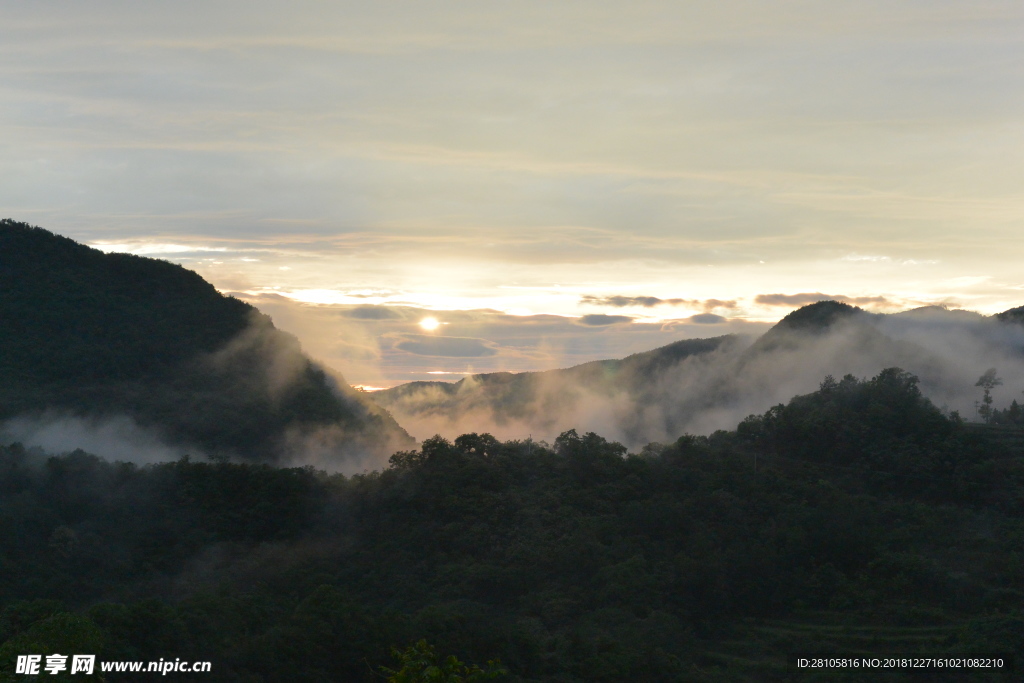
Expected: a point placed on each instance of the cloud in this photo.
(790, 299)
(600, 319)
(152, 249)
(812, 297)
(452, 347)
(360, 353)
(860, 300)
(274, 126)
(707, 319)
(620, 301)
(372, 313)
(114, 437)
(865, 257)
(710, 304)
(363, 349)
(666, 394)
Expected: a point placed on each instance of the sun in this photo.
(429, 324)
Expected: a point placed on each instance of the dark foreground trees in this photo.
(871, 522)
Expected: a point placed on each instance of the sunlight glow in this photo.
(149, 249)
(429, 324)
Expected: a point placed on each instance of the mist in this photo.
(329, 425)
(117, 438)
(641, 400)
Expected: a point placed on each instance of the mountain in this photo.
(1014, 315)
(701, 385)
(513, 393)
(97, 336)
(545, 402)
(854, 520)
(810, 321)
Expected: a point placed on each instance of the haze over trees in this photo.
(700, 385)
(871, 521)
(100, 336)
(854, 518)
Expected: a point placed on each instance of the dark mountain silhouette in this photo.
(812, 320)
(548, 401)
(859, 516)
(703, 385)
(856, 513)
(1013, 315)
(514, 392)
(817, 317)
(95, 335)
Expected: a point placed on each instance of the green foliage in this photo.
(988, 381)
(19, 616)
(1012, 316)
(999, 634)
(530, 395)
(883, 427)
(93, 334)
(870, 520)
(1012, 415)
(419, 663)
(818, 317)
(62, 633)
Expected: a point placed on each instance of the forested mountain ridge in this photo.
(701, 385)
(511, 395)
(1013, 315)
(812, 320)
(854, 520)
(629, 396)
(95, 335)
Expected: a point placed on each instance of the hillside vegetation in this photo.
(96, 335)
(857, 519)
(542, 398)
(701, 385)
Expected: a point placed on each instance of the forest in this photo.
(91, 335)
(858, 519)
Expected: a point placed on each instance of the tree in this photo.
(988, 382)
(1014, 412)
(61, 634)
(421, 664)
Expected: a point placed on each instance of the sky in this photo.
(549, 182)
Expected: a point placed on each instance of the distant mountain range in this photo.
(700, 385)
(92, 336)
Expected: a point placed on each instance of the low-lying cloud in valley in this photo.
(813, 297)
(600, 319)
(661, 395)
(620, 301)
(114, 438)
(445, 347)
(385, 345)
(707, 319)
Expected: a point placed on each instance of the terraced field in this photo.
(1011, 437)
